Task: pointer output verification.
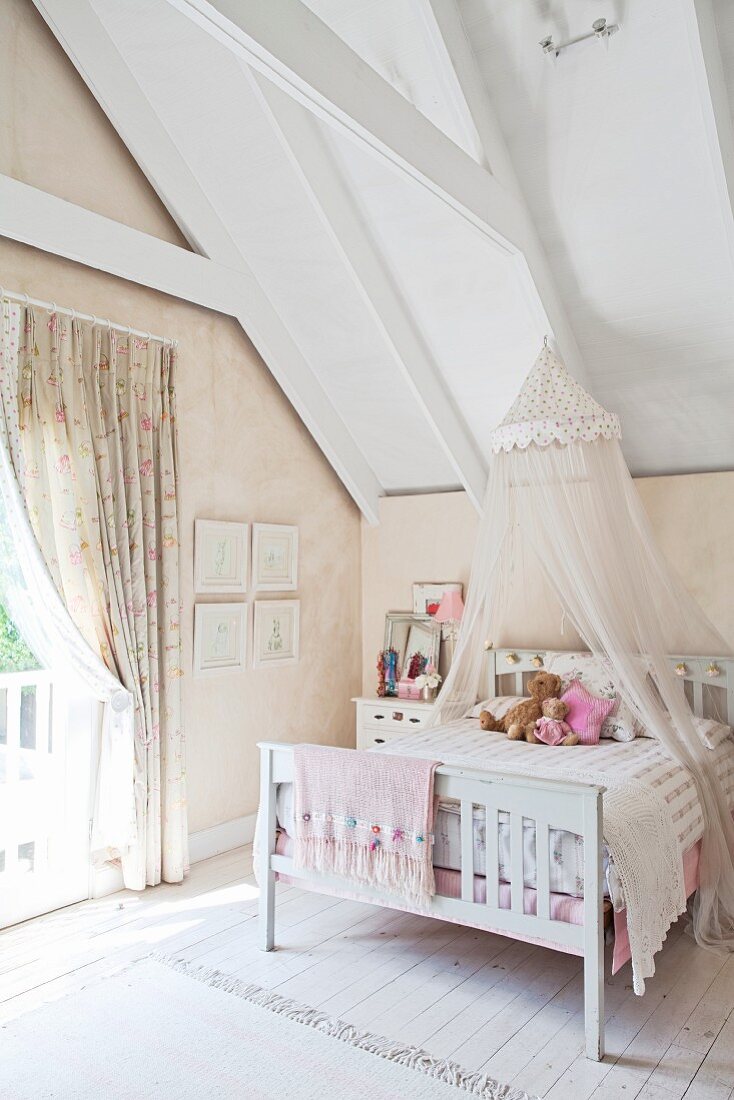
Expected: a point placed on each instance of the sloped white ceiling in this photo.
(199, 91)
(463, 293)
(616, 157)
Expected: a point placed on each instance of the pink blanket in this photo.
(367, 817)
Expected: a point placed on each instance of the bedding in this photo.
(639, 758)
(597, 676)
(586, 712)
(652, 817)
(712, 733)
(652, 814)
(498, 706)
(567, 865)
(359, 817)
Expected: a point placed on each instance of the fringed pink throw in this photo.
(367, 817)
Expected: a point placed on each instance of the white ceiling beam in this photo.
(451, 44)
(714, 101)
(305, 145)
(289, 45)
(54, 225)
(85, 40)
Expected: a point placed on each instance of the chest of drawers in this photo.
(382, 720)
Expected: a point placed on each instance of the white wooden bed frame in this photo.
(575, 807)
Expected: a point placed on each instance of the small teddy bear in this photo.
(520, 720)
(551, 729)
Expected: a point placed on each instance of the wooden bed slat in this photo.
(542, 864)
(491, 845)
(517, 885)
(467, 850)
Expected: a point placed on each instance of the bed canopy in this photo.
(559, 492)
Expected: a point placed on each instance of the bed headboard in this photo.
(709, 681)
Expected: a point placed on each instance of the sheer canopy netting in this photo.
(573, 508)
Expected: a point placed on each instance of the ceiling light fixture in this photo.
(600, 30)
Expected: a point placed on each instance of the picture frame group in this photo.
(232, 558)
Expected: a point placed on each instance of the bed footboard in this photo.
(574, 807)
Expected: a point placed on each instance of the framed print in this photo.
(220, 638)
(275, 634)
(220, 557)
(427, 595)
(274, 557)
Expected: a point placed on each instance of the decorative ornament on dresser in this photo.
(387, 672)
(428, 683)
(276, 633)
(220, 638)
(220, 557)
(274, 557)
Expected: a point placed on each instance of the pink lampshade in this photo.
(451, 607)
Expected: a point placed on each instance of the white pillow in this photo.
(596, 674)
(620, 728)
(499, 706)
(712, 733)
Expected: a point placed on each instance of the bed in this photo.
(511, 817)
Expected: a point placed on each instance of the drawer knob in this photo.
(416, 720)
(379, 717)
(397, 716)
(379, 740)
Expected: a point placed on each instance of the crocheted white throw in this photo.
(645, 799)
(365, 817)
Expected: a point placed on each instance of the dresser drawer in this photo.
(372, 739)
(392, 717)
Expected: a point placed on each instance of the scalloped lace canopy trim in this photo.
(552, 407)
(549, 430)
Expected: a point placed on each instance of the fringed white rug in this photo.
(152, 1031)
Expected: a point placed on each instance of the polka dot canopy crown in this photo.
(552, 407)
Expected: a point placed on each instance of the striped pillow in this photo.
(586, 712)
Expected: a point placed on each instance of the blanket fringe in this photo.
(474, 1084)
(394, 872)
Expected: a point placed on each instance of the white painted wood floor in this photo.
(513, 1009)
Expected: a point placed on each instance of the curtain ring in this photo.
(94, 319)
(54, 307)
(27, 301)
(2, 291)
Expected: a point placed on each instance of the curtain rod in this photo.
(74, 313)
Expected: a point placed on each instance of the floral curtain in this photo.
(97, 431)
(29, 594)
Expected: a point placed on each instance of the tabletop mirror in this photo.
(409, 633)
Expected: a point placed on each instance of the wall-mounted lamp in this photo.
(600, 29)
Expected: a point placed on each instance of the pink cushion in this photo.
(586, 712)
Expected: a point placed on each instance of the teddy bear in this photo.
(552, 729)
(520, 720)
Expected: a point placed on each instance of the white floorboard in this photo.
(510, 1008)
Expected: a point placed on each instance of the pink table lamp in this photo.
(449, 615)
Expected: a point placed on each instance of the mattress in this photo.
(642, 761)
(567, 850)
(465, 744)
